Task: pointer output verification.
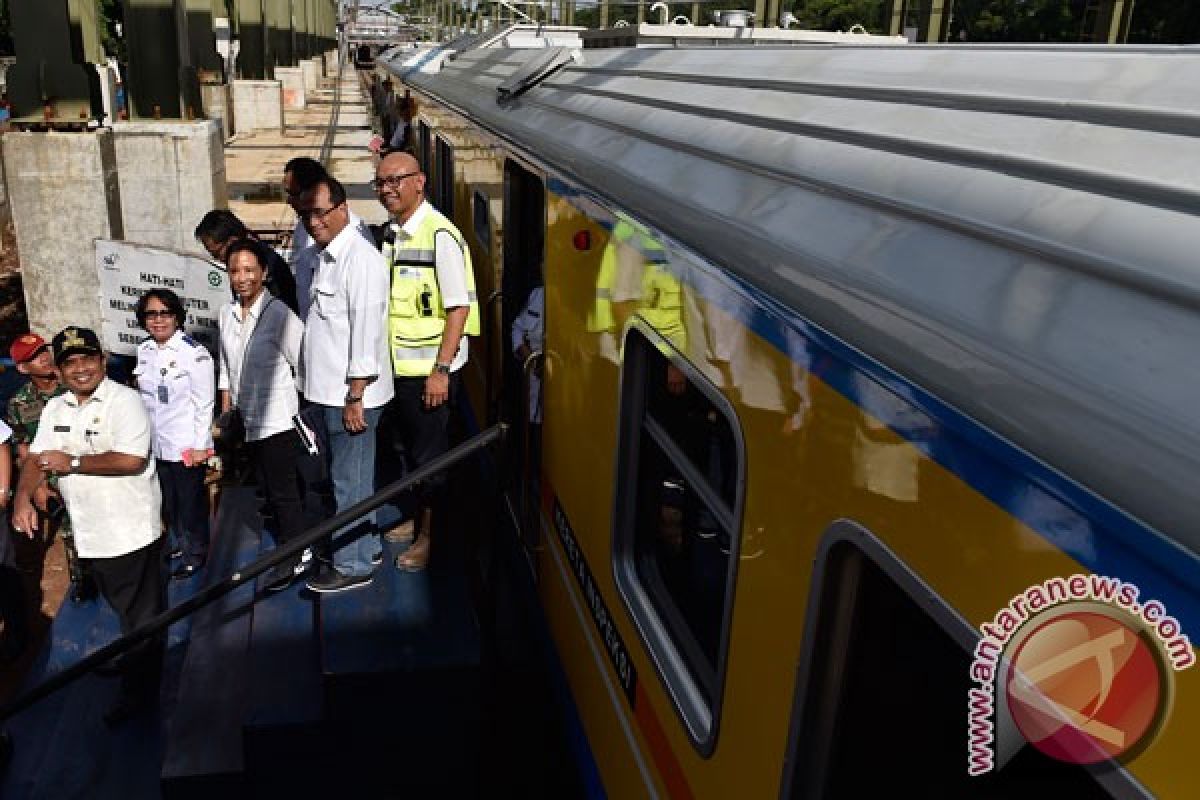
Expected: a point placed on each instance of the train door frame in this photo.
(523, 266)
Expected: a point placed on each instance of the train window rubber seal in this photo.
(656, 628)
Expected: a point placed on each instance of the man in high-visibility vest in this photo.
(432, 309)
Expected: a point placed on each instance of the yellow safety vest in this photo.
(416, 314)
(661, 301)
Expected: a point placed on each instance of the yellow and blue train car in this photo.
(846, 347)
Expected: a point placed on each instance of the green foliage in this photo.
(1165, 22)
(840, 15)
(1017, 20)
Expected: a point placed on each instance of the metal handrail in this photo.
(276, 556)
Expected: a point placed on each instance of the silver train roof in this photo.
(1014, 226)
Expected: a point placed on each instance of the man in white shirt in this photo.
(300, 176)
(345, 370)
(96, 438)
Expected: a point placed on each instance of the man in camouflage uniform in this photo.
(33, 358)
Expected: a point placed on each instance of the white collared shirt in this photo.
(175, 380)
(260, 352)
(306, 256)
(451, 269)
(345, 332)
(111, 515)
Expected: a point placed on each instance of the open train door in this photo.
(524, 332)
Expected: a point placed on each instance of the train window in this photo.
(479, 220)
(444, 178)
(677, 524)
(882, 690)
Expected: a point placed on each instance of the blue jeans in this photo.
(352, 472)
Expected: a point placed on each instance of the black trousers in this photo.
(424, 434)
(277, 460)
(185, 505)
(133, 585)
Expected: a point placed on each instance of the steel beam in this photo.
(160, 79)
(53, 79)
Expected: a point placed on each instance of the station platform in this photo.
(254, 161)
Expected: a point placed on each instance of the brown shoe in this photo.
(415, 557)
(402, 533)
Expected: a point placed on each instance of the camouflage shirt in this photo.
(25, 409)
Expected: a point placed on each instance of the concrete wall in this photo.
(293, 82)
(331, 63)
(312, 75)
(258, 105)
(171, 174)
(218, 106)
(64, 193)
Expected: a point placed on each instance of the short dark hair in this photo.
(337, 192)
(306, 172)
(168, 299)
(220, 225)
(247, 245)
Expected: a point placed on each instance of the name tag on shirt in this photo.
(62, 428)
(162, 393)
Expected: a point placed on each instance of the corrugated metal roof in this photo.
(1014, 226)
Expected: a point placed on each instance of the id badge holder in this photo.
(162, 393)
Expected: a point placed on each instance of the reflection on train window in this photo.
(884, 668)
(444, 178)
(479, 220)
(677, 542)
(424, 138)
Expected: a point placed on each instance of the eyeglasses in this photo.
(156, 313)
(392, 181)
(316, 213)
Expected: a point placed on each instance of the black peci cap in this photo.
(72, 340)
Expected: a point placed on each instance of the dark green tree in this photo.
(840, 15)
(1165, 22)
(1017, 20)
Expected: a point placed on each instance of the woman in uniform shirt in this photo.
(260, 349)
(175, 376)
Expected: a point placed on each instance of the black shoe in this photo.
(333, 581)
(280, 577)
(183, 572)
(126, 708)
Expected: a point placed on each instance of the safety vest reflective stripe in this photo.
(416, 311)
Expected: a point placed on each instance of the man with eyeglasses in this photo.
(344, 362)
(300, 176)
(433, 309)
(33, 358)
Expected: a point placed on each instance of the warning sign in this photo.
(127, 270)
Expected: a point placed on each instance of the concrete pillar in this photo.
(294, 85)
(331, 58)
(64, 193)
(218, 106)
(258, 106)
(311, 69)
(170, 174)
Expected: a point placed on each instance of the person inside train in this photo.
(221, 227)
(175, 377)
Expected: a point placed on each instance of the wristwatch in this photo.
(353, 398)
(76, 463)
(442, 368)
